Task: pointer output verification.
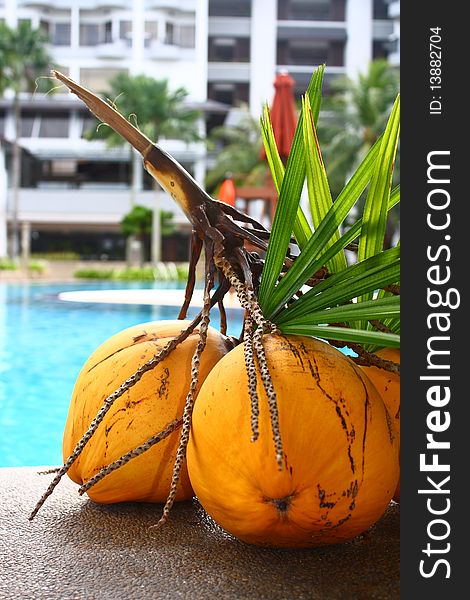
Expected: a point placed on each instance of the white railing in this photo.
(91, 206)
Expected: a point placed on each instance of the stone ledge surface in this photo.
(77, 550)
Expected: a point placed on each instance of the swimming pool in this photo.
(44, 342)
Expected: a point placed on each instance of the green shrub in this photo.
(37, 266)
(162, 272)
(94, 274)
(136, 274)
(7, 265)
(183, 271)
(59, 255)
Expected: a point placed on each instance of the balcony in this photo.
(234, 72)
(313, 30)
(66, 4)
(180, 5)
(159, 51)
(86, 207)
(320, 10)
(233, 26)
(381, 30)
(117, 50)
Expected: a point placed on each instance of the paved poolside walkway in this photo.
(78, 550)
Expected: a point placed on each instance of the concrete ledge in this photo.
(75, 549)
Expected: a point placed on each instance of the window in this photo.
(58, 33)
(45, 124)
(310, 52)
(125, 31)
(381, 49)
(108, 32)
(89, 34)
(187, 36)
(61, 35)
(222, 49)
(232, 94)
(222, 8)
(98, 79)
(63, 168)
(27, 122)
(151, 30)
(311, 10)
(225, 49)
(380, 10)
(94, 174)
(169, 33)
(54, 125)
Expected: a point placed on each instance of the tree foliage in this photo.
(354, 117)
(237, 149)
(23, 57)
(150, 105)
(138, 222)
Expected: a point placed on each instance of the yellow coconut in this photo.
(340, 463)
(388, 386)
(144, 410)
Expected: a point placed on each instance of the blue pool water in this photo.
(44, 342)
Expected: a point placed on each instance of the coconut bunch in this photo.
(284, 440)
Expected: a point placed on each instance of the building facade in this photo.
(223, 52)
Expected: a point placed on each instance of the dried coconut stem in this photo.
(248, 301)
(368, 359)
(191, 397)
(251, 373)
(270, 393)
(49, 471)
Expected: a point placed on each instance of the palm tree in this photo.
(157, 111)
(23, 58)
(238, 150)
(354, 117)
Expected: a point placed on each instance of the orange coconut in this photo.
(388, 386)
(144, 410)
(340, 463)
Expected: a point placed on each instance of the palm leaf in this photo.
(317, 185)
(347, 295)
(305, 264)
(286, 220)
(369, 309)
(344, 334)
(374, 219)
(343, 290)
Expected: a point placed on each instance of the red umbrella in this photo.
(227, 192)
(283, 114)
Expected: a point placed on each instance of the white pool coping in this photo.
(147, 296)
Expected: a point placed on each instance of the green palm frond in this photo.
(348, 303)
